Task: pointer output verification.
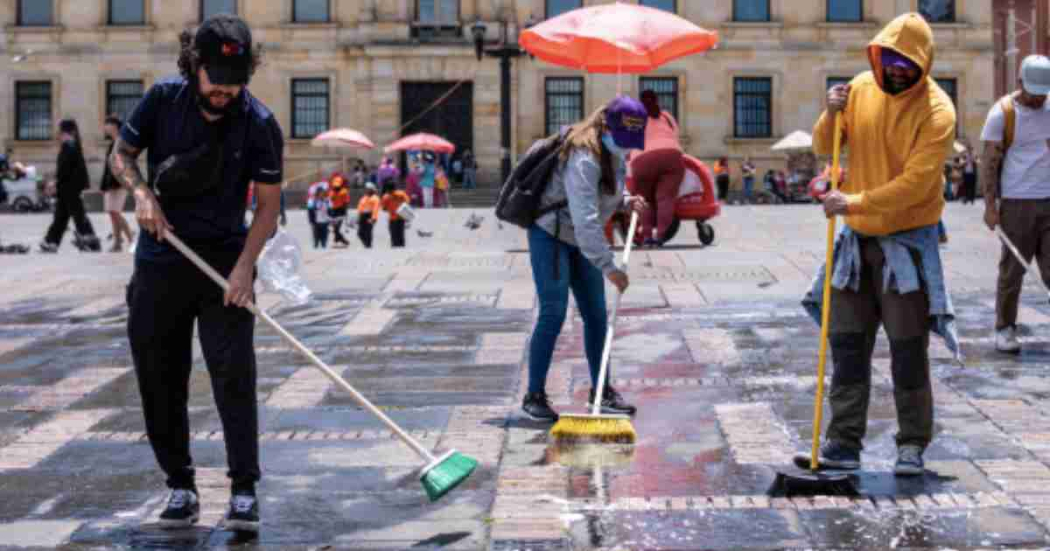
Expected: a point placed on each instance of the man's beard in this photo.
(892, 88)
(205, 103)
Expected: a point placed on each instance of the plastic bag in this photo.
(278, 269)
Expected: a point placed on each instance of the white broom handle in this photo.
(1009, 245)
(607, 349)
(339, 381)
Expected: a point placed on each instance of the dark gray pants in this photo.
(855, 320)
(1026, 222)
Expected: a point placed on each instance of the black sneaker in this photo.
(832, 456)
(613, 403)
(909, 461)
(46, 247)
(243, 515)
(183, 510)
(538, 407)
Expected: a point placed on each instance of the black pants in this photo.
(364, 229)
(320, 235)
(69, 205)
(722, 181)
(397, 233)
(338, 215)
(164, 300)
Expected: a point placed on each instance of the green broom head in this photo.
(573, 427)
(445, 473)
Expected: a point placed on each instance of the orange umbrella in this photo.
(342, 137)
(616, 38)
(422, 142)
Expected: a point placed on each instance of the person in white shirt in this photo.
(1016, 175)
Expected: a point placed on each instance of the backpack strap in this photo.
(1010, 120)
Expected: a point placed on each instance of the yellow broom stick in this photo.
(818, 405)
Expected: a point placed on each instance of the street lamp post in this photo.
(505, 51)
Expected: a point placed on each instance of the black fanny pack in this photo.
(190, 174)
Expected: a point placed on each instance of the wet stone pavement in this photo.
(711, 346)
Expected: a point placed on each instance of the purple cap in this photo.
(626, 118)
(891, 58)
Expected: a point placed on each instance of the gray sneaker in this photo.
(1006, 340)
(909, 461)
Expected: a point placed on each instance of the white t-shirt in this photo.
(1026, 168)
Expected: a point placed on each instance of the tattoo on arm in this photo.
(124, 165)
(991, 159)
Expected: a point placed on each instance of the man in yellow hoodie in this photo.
(899, 127)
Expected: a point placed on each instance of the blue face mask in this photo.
(607, 139)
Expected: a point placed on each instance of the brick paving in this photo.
(711, 345)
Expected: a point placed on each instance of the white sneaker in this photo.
(1006, 340)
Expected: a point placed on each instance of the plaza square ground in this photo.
(712, 346)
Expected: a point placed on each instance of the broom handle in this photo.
(825, 318)
(607, 349)
(1010, 245)
(318, 363)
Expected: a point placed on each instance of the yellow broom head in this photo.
(585, 456)
(572, 427)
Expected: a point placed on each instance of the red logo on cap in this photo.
(232, 49)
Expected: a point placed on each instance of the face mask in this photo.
(610, 144)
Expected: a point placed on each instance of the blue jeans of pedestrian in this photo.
(556, 268)
(749, 184)
(470, 178)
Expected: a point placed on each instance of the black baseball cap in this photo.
(225, 45)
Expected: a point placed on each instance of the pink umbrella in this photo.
(342, 137)
(422, 142)
(616, 38)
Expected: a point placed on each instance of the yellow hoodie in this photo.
(897, 144)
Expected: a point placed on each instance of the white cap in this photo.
(370, 186)
(1035, 75)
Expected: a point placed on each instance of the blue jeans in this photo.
(749, 184)
(469, 178)
(574, 272)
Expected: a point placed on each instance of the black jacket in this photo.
(71, 176)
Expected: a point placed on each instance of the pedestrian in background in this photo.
(470, 170)
(339, 201)
(71, 179)
(319, 207)
(391, 201)
(427, 179)
(367, 214)
(114, 194)
(748, 171)
(721, 171)
(658, 171)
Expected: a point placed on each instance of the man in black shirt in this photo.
(208, 139)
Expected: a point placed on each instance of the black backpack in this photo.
(519, 198)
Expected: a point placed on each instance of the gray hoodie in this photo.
(582, 224)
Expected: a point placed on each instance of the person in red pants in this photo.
(658, 171)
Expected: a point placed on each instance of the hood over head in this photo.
(908, 35)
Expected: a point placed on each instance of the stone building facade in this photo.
(375, 65)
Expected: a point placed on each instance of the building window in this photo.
(938, 11)
(751, 10)
(753, 107)
(444, 12)
(563, 102)
(310, 11)
(666, 5)
(558, 7)
(845, 11)
(309, 107)
(122, 96)
(666, 89)
(127, 12)
(213, 7)
(33, 110)
(35, 13)
(835, 81)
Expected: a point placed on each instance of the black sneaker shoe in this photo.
(46, 247)
(183, 510)
(832, 456)
(909, 461)
(243, 515)
(538, 407)
(613, 403)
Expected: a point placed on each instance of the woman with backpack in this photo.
(658, 171)
(568, 249)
